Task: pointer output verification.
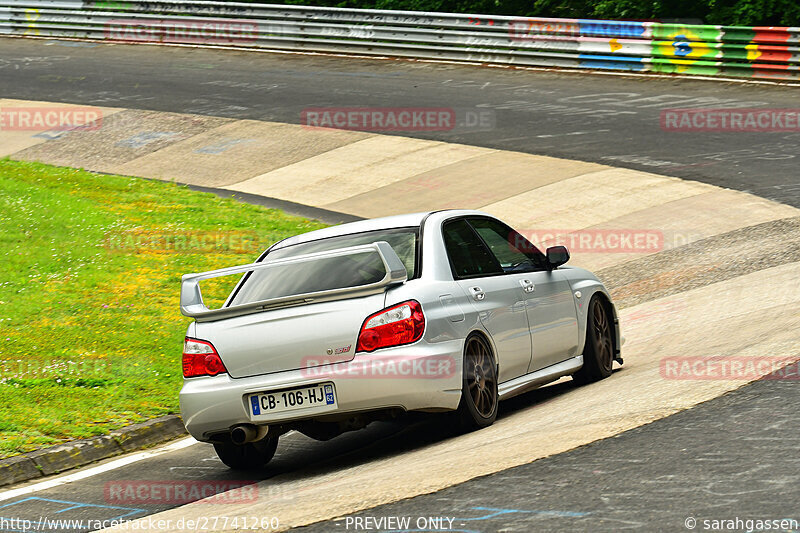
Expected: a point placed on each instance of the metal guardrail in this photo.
(754, 52)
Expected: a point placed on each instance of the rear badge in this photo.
(341, 350)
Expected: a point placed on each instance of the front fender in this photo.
(588, 285)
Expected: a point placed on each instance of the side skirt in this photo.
(541, 377)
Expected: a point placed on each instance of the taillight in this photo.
(400, 324)
(201, 359)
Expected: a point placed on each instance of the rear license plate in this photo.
(264, 403)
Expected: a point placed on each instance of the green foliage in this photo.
(725, 12)
(91, 333)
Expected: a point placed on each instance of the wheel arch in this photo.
(489, 341)
(590, 289)
(605, 299)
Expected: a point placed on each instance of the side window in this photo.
(513, 251)
(469, 257)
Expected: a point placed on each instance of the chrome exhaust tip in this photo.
(248, 433)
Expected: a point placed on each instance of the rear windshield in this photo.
(328, 273)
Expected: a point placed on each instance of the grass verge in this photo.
(90, 328)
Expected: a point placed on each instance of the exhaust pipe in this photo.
(248, 433)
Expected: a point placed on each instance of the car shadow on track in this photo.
(299, 457)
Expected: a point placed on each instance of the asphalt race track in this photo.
(698, 464)
(614, 120)
(735, 454)
(295, 454)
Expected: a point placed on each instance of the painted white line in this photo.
(89, 472)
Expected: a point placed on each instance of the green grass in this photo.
(90, 266)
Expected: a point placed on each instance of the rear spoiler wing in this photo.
(192, 298)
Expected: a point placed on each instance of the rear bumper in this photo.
(416, 377)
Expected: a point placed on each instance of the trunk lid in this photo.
(291, 338)
(295, 312)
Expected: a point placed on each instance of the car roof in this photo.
(395, 221)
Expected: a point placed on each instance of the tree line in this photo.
(724, 12)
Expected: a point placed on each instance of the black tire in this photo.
(249, 456)
(598, 353)
(479, 397)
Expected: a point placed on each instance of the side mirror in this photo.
(557, 256)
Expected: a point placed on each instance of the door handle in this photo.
(477, 293)
(527, 285)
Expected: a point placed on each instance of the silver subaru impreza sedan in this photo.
(333, 329)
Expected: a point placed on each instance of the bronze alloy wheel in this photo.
(598, 351)
(602, 336)
(480, 377)
(479, 397)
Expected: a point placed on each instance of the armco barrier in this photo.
(753, 52)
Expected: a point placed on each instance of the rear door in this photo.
(549, 303)
(498, 298)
